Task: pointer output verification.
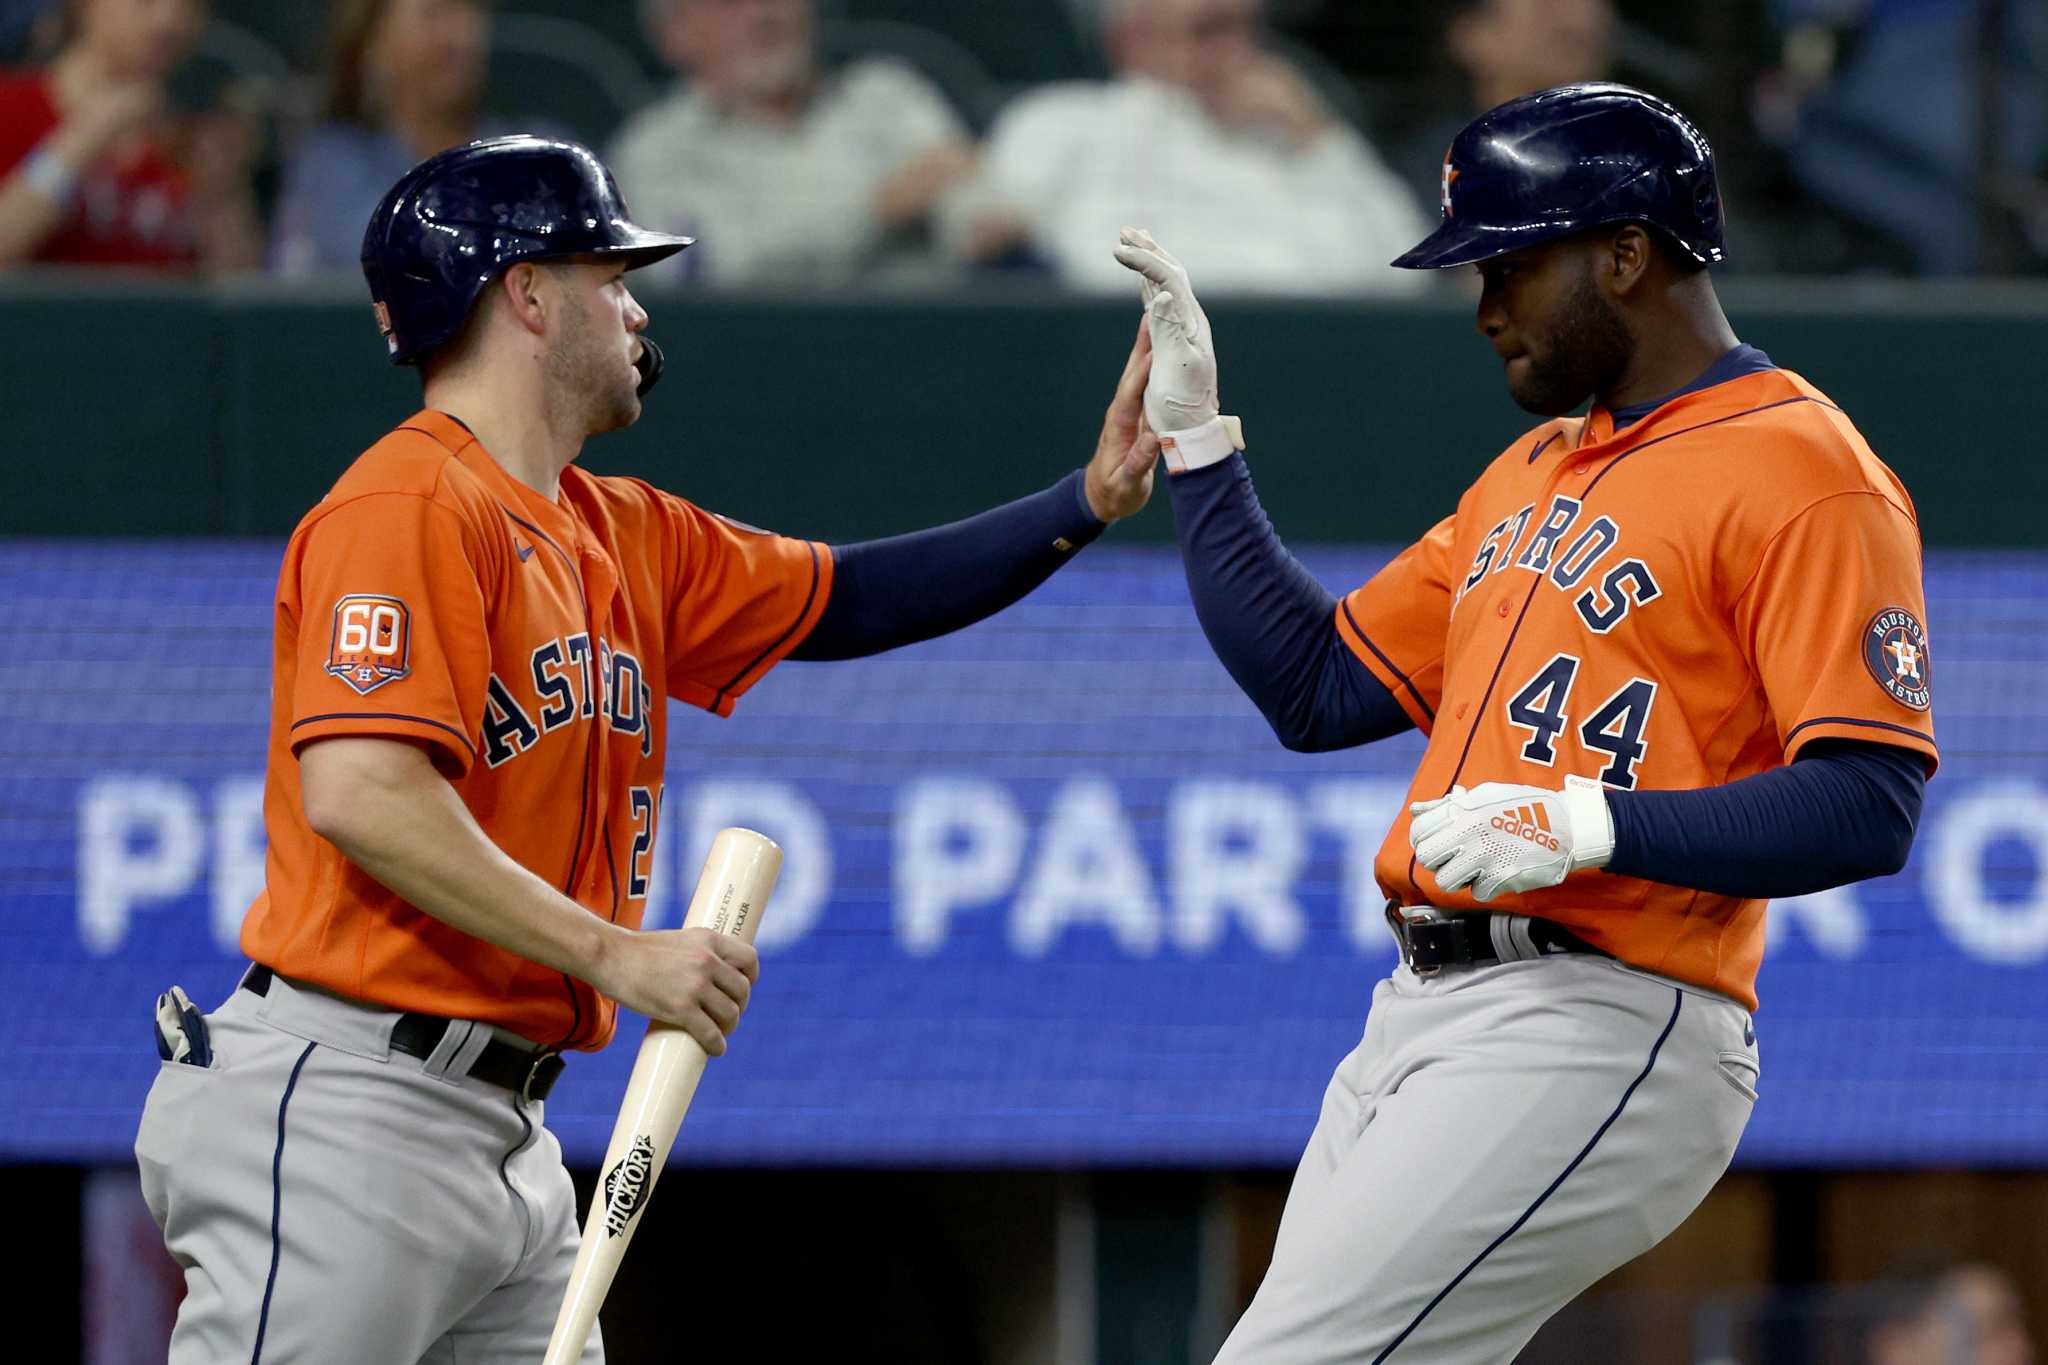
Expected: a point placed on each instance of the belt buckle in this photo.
(1399, 917)
(541, 1058)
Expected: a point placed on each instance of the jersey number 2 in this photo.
(1615, 728)
(646, 805)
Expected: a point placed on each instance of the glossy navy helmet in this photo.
(1576, 157)
(461, 216)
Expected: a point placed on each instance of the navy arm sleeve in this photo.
(1273, 626)
(897, 591)
(1842, 811)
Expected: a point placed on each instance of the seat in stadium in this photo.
(567, 76)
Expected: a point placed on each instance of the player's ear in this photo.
(524, 296)
(1629, 253)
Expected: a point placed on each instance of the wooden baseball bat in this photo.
(732, 891)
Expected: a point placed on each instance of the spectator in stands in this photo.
(1911, 164)
(405, 79)
(96, 169)
(1214, 143)
(788, 174)
(1945, 1309)
(1506, 49)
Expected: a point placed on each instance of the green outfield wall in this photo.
(135, 411)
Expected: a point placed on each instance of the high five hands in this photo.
(1119, 478)
(1180, 395)
(1166, 402)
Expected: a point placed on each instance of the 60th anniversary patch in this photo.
(1895, 650)
(372, 641)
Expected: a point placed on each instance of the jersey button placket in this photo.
(1512, 610)
(600, 585)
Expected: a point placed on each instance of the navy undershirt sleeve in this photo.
(1273, 626)
(887, 593)
(1843, 811)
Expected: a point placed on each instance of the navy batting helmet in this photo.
(1576, 157)
(455, 220)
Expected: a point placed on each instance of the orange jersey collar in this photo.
(1744, 393)
(526, 503)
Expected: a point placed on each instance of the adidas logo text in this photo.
(1527, 822)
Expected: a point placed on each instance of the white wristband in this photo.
(1585, 801)
(1199, 447)
(49, 175)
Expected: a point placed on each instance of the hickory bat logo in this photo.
(625, 1185)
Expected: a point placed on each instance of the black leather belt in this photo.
(528, 1073)
(1465, 938)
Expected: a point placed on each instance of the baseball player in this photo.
(1671, 662)
(475, 644)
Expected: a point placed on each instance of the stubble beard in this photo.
(587, 383)
(1584, 352)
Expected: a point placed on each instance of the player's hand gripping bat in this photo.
(739, 872)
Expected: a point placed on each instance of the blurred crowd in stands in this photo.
(1937, 1308)
(1287, 147)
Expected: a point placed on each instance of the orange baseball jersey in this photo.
(1680, 604)
(530, 646)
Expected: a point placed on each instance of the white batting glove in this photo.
(1180, 399)
(1501, 836)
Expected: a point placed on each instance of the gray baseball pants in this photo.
(1502, 1137)
(333, 1201)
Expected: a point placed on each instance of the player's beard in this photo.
(588, 378)
(1584, 351)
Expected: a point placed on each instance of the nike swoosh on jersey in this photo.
(525, 551)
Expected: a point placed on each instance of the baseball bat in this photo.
(732, 891)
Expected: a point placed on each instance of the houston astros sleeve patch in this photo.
(371, 643)
(1895, 651)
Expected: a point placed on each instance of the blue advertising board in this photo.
(1053, 894)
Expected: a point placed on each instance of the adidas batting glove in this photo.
(1500, 836)
(1180, 396)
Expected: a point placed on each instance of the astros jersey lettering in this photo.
(530, 646)
(1627, 606)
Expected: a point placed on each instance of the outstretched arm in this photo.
(1273, 626)
(887, 593)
